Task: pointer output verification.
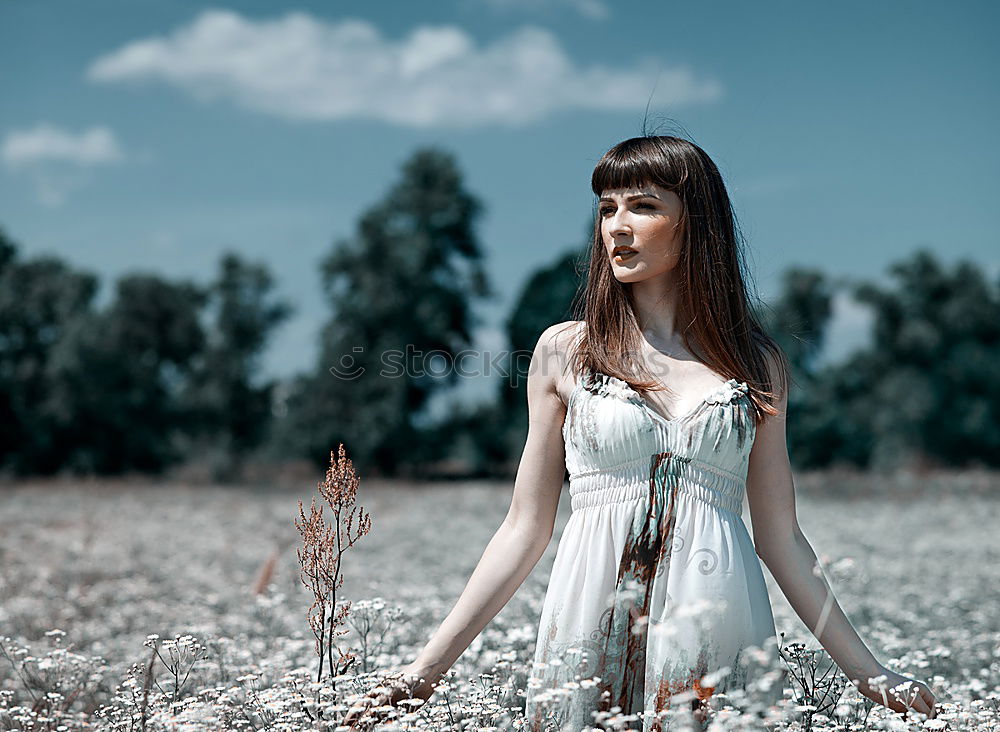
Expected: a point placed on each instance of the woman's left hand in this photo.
(900, 693)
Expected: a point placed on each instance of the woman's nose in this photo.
(618, 225)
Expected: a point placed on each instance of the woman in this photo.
(656, 589)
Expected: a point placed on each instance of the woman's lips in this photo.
(624, 254)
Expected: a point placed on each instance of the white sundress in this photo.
(656, 530)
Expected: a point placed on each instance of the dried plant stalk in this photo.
(323, 547)
(266, 574)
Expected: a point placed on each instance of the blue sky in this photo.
(155, 134)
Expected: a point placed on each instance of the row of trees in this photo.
(925, 392)
(168, 371)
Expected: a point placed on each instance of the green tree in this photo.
(486, 439)
(115, 378)
(40, 299)
(799, 316)
(927, 391)
(232, 409)
(546, 299)
(400, 289)
(935, 367)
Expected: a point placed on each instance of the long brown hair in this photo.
(714, 297)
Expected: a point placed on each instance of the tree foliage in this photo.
(117, 376)
(41, 301)
(225, 394)
(400, 289)
(169, 370)
(134, 386)
(926, 391)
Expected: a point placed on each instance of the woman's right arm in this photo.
(516, 546)
(527, 529)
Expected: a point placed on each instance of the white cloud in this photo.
(58, 161)
(52, 189)
(46, 143)
(590, 9)
(593, 9)
(304, 68)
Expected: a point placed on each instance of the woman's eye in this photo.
(605, 211)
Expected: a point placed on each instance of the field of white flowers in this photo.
(127, 606)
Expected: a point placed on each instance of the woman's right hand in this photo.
(409, 682)
(899, 693)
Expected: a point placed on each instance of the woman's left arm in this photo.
(790, 558)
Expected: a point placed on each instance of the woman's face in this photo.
(646, 221)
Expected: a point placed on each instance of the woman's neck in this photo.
(656, 305)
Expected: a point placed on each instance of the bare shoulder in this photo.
(551, 361)
(777, 368)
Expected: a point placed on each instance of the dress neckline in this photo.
(723, 393)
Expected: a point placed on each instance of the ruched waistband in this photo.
(630, 481)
